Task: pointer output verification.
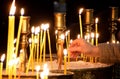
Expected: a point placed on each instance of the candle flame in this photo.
(97, 35)
(78, 36)
(56, 31)
(37, 68)
(71, 41)
(15, 40)
(22, 11)
(30, 40)
(37, 30)
(2, 57)
(65, 52)
(80, 11)
(67, 32)
(92, 35)
(96, 20)
(33, 29)
(13, 8)
(45, 26)
(62, 36)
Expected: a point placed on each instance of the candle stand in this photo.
(113, 28)
(24, 41)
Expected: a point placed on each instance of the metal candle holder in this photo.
(24, 40)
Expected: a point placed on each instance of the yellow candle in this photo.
(92, 38)
(81, 33)
(1, 68)
(37, 71)
(10, 42)
(30, 48)
(46, 26)
(44, 46)
(65, 57)
(1, 65)
(19, 31)
(41, 37)
(10, 65)
(32, 58)
(45, 71)
(37, 38)
(96, 30)
(49, 47)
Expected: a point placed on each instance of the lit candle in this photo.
(30, 57)
(10, 42)
(1, 65)
(37, 71)
(44, 39)
(41, 42)
(97, 36)
(49, 42)
(80, 12)
(19, 31)
(96, 30)
(92, 38)
(32, 61)
(65, 57)
(37, 38)
(45, 73)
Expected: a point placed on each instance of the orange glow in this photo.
(13, 8)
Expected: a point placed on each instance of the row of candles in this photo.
(42, 38)
(10, 48)
(37, 44)
(10, 67)
(92, 35)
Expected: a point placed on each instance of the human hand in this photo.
(80, 46)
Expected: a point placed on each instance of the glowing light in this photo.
(65, 52)
(37, 68)
(96, 20)
(22, 11)
(33, 29)
(92, 35)
(13, 8)
(62, 36)
(2, 57)
(80, 11)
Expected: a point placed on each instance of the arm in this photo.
(109, 53)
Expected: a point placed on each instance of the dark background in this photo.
(42, 11)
